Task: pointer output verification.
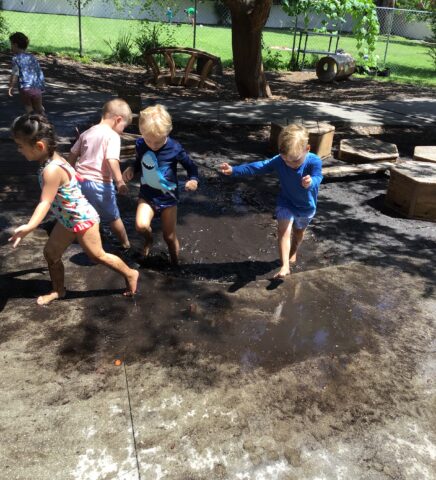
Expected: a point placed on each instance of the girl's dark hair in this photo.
(33, 128)
(20, 40)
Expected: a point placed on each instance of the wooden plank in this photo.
(344, 170)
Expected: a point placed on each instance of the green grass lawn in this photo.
(408, 59)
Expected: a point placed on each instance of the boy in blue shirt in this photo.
(300, 175)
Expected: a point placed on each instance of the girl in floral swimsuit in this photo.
(76, 218)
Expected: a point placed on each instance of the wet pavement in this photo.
(214, 370)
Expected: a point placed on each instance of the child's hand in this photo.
(128, 174)
(226, 169)
(191, 185)
(306, 181)
(11, 91)
(122, 188)
(19, 234)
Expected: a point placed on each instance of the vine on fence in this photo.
(363, 12)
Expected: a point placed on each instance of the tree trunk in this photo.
(248, 20)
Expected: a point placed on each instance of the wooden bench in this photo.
(203, 63)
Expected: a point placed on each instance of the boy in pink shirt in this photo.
(96, 158)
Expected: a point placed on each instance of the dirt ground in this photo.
(329, 374)
(284, 85)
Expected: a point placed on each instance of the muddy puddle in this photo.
(172, 320)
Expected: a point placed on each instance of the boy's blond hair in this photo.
(117, 107)
(155, 121)
(293, 140)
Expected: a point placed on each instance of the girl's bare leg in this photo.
(169, 221)
(297, 238)
(59, 240)
(144, 216)
(90, 241)
(284, 234)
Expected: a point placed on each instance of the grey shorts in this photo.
(284, 213)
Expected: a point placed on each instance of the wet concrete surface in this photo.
(223, 372)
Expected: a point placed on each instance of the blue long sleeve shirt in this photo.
(301, 201)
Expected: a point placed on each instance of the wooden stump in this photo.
(320, 137)
(412, 190)
(367, 150)
(425, 154)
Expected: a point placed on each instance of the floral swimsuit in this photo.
(69, 206)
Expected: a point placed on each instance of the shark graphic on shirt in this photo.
(152, 175)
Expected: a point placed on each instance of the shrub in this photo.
(121, 50)
(153, 35)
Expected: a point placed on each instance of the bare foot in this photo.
(282, 273)
(293, 259)
(46, 299)
(131, 283)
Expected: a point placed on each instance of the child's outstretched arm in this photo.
(253, 168)
(12, 82)
(52, 179)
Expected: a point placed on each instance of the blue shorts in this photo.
(103, 198)
(284, 213)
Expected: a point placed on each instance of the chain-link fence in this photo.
(107, 33)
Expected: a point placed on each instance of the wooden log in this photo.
(412, 190)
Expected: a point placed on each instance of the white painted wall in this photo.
(206, 15)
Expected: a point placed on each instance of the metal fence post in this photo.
(195, 24)
(79, 11)
(391, 21)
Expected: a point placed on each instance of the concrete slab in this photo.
(290, 111)
(421, 109)
(425, 154)
(67, 414)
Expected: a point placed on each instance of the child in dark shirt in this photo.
(159, 190)
(27, 72)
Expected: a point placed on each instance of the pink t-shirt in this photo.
(95, 147)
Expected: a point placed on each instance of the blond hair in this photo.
(293, 140)
(155, 121)
(117, 107)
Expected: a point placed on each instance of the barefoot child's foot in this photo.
(282, 273)
(293, 259)
(131, 283)
(46, 299)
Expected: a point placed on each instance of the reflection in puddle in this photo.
(327, 312)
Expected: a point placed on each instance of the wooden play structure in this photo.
(195, 74)
(412, 190)
(425, 154)
(367, 150)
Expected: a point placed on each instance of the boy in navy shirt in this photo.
(159, 190)
(300, 175)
